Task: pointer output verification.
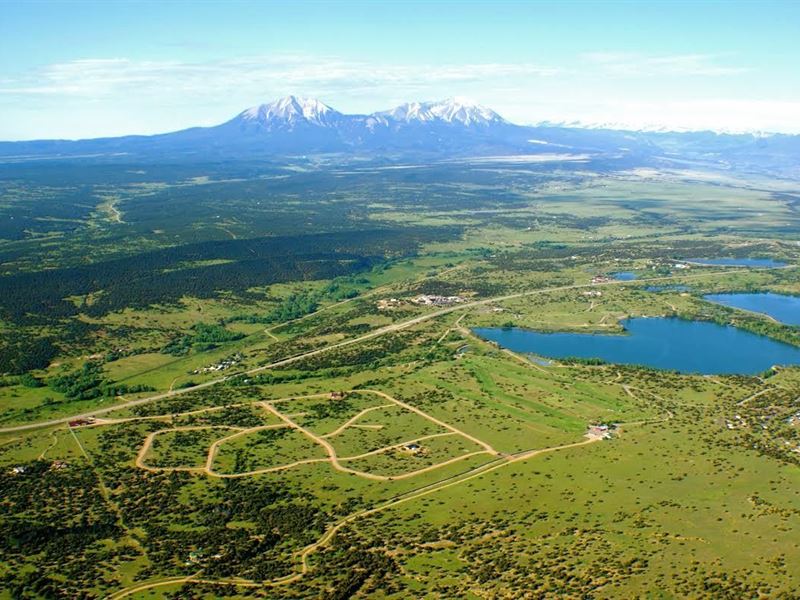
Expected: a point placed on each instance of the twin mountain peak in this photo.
(295, 111)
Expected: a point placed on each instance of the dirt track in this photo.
(413, 495)
(499, 462)
(333, 458)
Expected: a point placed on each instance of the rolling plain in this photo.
(262, 380)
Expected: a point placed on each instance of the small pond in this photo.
(624, 276)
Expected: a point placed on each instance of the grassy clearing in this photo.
(186, 448)
(265, 449)
(325, 415)
(419, 454)
(397, 425)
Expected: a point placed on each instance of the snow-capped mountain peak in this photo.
(286, 114)
(463, 111)
(410, 111)
(290, 111)
(451, 110)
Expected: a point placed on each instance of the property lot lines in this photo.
(351, 422)
(288, 422)
(498, 461)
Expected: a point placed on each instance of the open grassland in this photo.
(181, 448)
(325, 433)
(665, 506)
(547, 493)
(251, 451)
(396, 426)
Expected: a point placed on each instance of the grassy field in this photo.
(542, 498)
(336, 437)
(264, 449)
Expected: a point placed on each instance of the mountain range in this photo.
(293, 126)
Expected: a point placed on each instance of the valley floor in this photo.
(344, 433)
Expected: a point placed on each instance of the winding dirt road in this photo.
(499, 462)
(330, 533)
(322, 440)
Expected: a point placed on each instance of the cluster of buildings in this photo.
(601, 279)
(198, 556)
(422, 300)
(434, 300)
(22, 469)
(225, 363)
(388, 303)
(736, 423)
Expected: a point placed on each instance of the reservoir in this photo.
(781, 307)
(737, 262)
(662, 343)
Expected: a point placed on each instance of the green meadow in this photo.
(337, 430)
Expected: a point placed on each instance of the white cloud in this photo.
(628, 64)
(721, 114)
(98, 78)
(717, 114)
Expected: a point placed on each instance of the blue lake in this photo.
(662, 343)
(624, 276)
(781, 307)
(737, 262)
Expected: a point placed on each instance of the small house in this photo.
(599, 431)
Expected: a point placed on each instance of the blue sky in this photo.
(85, 69)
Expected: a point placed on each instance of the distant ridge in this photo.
(454, 127)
